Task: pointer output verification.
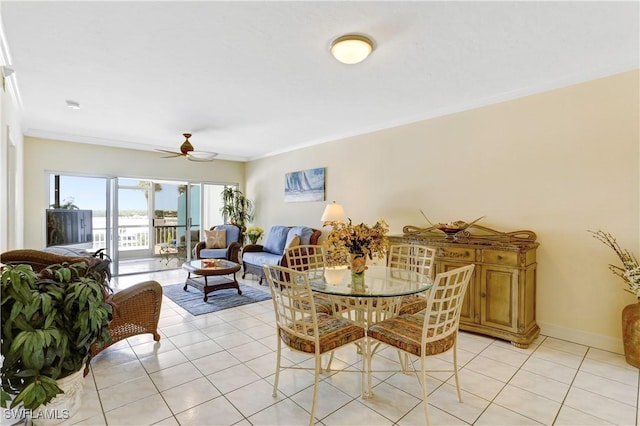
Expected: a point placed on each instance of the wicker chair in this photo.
(412, 257)
(302, 328)
(136, 309)
(310, 258)
(429, 332)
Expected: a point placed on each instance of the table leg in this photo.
(236, 281)
(185, 283)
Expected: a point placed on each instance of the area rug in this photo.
(191, 300)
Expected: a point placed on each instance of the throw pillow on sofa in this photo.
(216, 239)
(304, 232)
(276, 239)
(292, 242)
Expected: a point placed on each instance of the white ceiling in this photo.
(250, 79)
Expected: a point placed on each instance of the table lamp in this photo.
(333, 213)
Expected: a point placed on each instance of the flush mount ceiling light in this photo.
(351, 48)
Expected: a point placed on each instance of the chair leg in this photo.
(318, 366)
(328, 368)
(455, 369)
(403, 358)
(363, 367)
(275, 381)
(369, 367)
(423, 384)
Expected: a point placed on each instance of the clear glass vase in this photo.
(358, 266)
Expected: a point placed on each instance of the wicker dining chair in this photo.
(302, 329)
(412, 257)
(136, 309)
(312, 259)
(428, 332)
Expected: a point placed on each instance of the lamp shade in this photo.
(333, 213)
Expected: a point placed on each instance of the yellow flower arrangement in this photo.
(346, 238)
(254, 233)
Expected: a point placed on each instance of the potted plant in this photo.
(236, 207)
(50, 320)
(630, 274)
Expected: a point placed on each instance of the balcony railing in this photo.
(136, 237)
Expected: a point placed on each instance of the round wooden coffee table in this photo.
(209, 275)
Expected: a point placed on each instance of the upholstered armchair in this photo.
(221, 242)
(136, 309)
(277, 240)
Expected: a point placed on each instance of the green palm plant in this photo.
(236, 207)
(50, 320)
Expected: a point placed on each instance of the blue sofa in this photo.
(276, 241)
(230, 252)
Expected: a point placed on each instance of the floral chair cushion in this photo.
(405, 332)
(412, 304)
(334, 332)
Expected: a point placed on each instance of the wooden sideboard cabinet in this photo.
(501, 297)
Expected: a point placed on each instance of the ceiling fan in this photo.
(186, 150)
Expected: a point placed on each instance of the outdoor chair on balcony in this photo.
(136, 309)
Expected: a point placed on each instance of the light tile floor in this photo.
(218, 369)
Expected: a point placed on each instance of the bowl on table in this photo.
(452, 228)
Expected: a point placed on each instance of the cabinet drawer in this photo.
(500, 257)
(455, 253)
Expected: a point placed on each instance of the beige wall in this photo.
(557, 163)
(44, 155)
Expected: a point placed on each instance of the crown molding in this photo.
(112, 143)
(11, 83)
(5, 56)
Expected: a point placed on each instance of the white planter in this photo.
(63, 406)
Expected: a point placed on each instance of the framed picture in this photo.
(304, 185)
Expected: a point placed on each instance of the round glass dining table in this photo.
(379, 282)
(379, 298)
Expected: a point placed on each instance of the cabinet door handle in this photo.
(483, 294)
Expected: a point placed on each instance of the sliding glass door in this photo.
(134, 211)
(143, 224)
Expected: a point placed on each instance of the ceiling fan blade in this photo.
(201, 156)
(186, 150)
(173, 153)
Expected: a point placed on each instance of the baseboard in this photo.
(599, 341)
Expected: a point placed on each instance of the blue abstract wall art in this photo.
(304, 185)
